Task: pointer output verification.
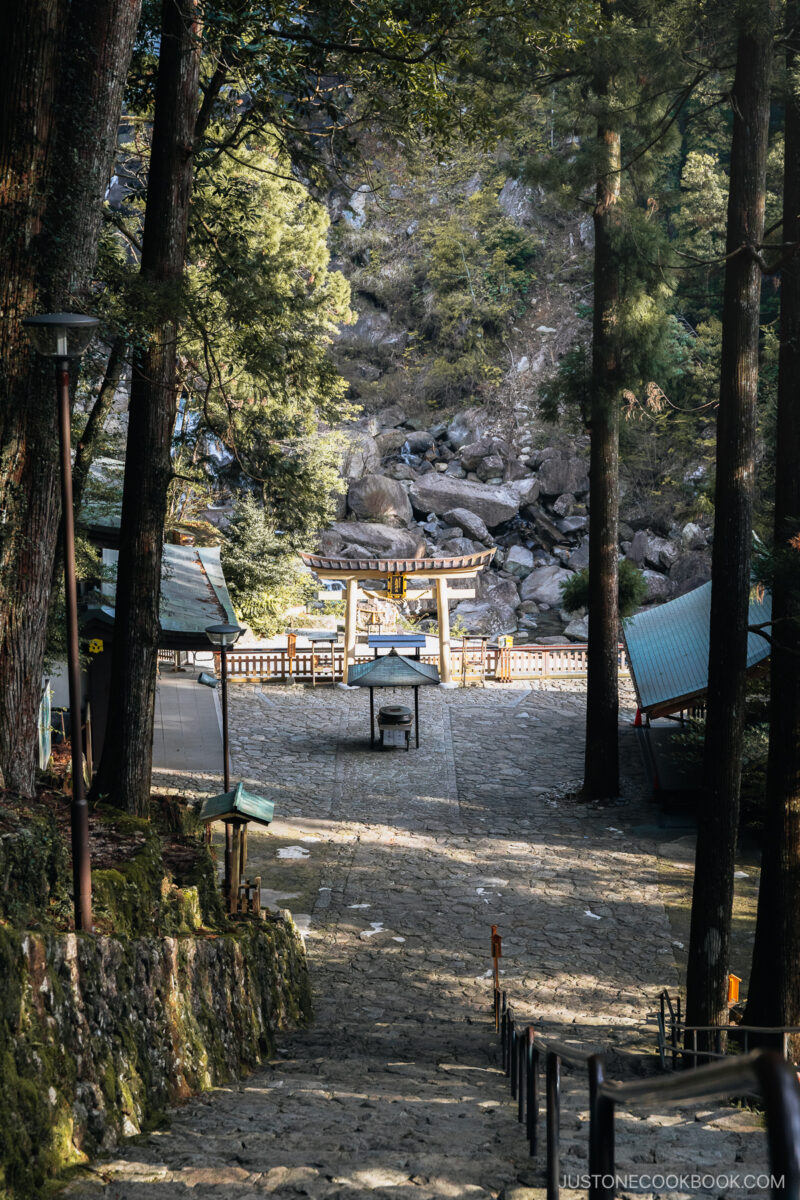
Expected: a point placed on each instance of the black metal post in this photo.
(522, 1062)
(781, 1094)
(532, 1080)
(81, 862)
(226, 769)
(553, 1088)
(513, 1060)
(601, 1135)
(416, 712)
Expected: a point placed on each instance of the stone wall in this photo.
(98, 1035)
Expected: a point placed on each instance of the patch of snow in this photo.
(293, 852)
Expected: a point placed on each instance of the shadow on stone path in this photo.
(398, 864)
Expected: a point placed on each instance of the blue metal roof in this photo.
(668, 648)
(413, 640)
(392, 670)
(193, 589)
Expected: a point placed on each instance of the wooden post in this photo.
(236, 866)
(443, 617)
(351, 607)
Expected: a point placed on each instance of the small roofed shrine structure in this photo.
(390, 671)
(393, 579)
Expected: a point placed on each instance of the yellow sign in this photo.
(96, 646)
(505, 640)
(396, 587)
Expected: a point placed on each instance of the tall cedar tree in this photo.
(718, 816)
(774, 995)
(124, 771)
(601, 769)
(62, 73)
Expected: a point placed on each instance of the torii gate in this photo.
(355, 572)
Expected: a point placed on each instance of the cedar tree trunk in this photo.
(125, 767)
(601, 770)
(718, 815)
(62, 72)
(774, 993)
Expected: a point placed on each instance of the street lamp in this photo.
(62, 336)
(222, 637)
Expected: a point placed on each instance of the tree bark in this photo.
(62, 72)
(718, 816)
(86, 449)
(601, 769)
(774, 991)
(125, 767)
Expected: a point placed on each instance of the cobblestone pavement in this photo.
(396, 864)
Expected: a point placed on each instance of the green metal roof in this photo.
(193, 590)
(392, 670)
(238, 803)
(668, 648)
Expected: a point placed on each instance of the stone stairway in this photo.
(399, 864)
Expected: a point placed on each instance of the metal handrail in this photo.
(673, 1031)
(760, 1071)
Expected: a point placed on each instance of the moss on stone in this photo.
(151, 1019)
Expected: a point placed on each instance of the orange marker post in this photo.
(733, 988)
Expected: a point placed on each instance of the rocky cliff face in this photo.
(465, 484)
(470, 287)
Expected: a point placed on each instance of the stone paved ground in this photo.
(397, 864)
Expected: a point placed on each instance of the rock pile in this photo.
(458, 487)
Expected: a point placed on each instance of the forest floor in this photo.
(396, 865)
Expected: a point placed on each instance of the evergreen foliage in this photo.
(262, 569)
(631, 583)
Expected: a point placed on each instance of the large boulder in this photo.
(348, 539)
(693, 537)
(490, 467)
(455, 547)
(526, 490)
(658, 586)
(390, 417)
(473, 454)
(494, 609)
(544, 585)
(578, 629)
(559, 475)
(391, 441)
(378, 498)
(471, 524)
(437, 493)
(689, 571)
(650, 550)
(580, 557)
(519, 561)
(467, 426)
(361, 455)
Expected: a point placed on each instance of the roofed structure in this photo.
(327, 566)
(668, 650)
(193, 595)
(393, 670)
(357, 571)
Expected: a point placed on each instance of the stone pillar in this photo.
(350, 612)
(443, 617)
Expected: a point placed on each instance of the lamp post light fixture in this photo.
(60, 337)
(222, 637)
